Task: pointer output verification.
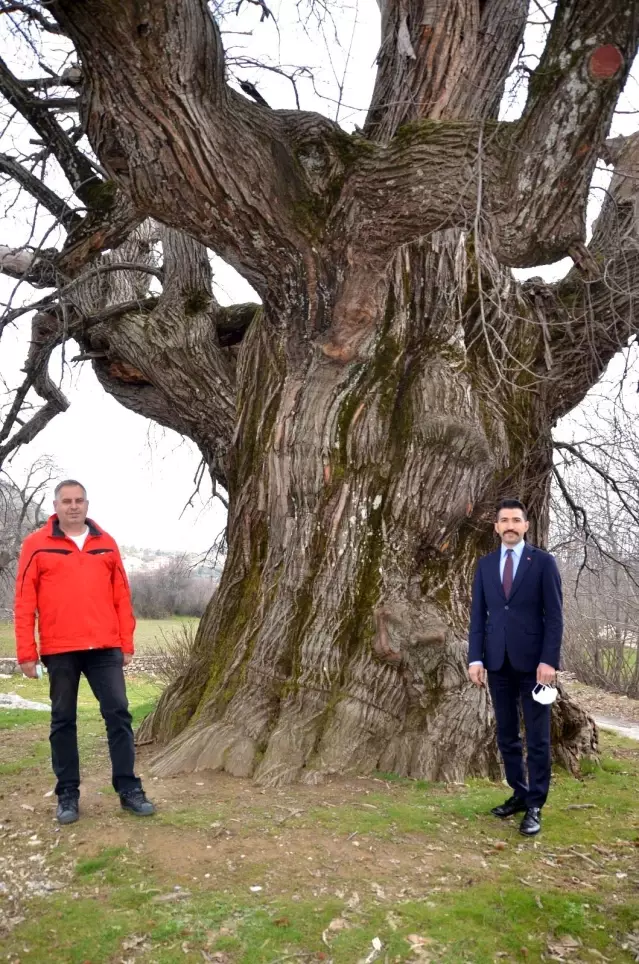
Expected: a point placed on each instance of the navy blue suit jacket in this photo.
(528, 625)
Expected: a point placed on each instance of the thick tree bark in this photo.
(362, 495)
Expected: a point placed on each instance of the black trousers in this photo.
(508, 689)
(103, 669)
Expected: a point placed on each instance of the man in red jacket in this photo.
(71, 574)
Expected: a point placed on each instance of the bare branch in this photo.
(45, 335)
(75, 165)
(31, 13)
(38, 189)
(606, 476)
(63, 104)
(70, 77)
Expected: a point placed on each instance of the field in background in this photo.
(148, 633)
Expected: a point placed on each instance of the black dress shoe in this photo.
(511, 806)
(531, 824)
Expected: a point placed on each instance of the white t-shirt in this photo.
(81, 539)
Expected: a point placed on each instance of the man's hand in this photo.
(546, 674)
(29, 668)
(126, 658)
(477, 674)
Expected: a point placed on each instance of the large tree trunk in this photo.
(362, 494)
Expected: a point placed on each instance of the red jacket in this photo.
(82, 597)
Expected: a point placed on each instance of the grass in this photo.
(419, 866)
(34, 753)
(469, 925)
(13, 718)
(36, 757)
(148, 633)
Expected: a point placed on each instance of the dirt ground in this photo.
(212, 828)
(601, 703)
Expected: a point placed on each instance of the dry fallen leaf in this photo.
(132, 942)
(416, 940)
(336, 925)
(560, 948)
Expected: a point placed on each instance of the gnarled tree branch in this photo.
(193, 123)
(442, 61)
(73, 162)
(163, 358)
(596, 317)
(571, 100)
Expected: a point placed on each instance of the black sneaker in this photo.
(68, 808)
(136, 802)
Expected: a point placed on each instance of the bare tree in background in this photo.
(396, 380)
(172, 589)
(21, 511)
(596, 534)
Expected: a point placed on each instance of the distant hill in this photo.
(149, 560)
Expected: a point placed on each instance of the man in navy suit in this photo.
(516, 626)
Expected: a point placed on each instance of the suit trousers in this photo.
(509, 689)
(103, 669)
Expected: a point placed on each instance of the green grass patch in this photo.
(140, 710)
(9, 719)
(143, 694)
(74, 931)
(7, 638)
(474, 926)
(148, 633)
(37, 754)
(607, 794)
(94, 864)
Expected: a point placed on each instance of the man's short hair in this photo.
(61, 485)
(512, 504)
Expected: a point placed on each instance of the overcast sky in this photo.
(139, 476)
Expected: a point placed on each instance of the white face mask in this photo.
(544, 694)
